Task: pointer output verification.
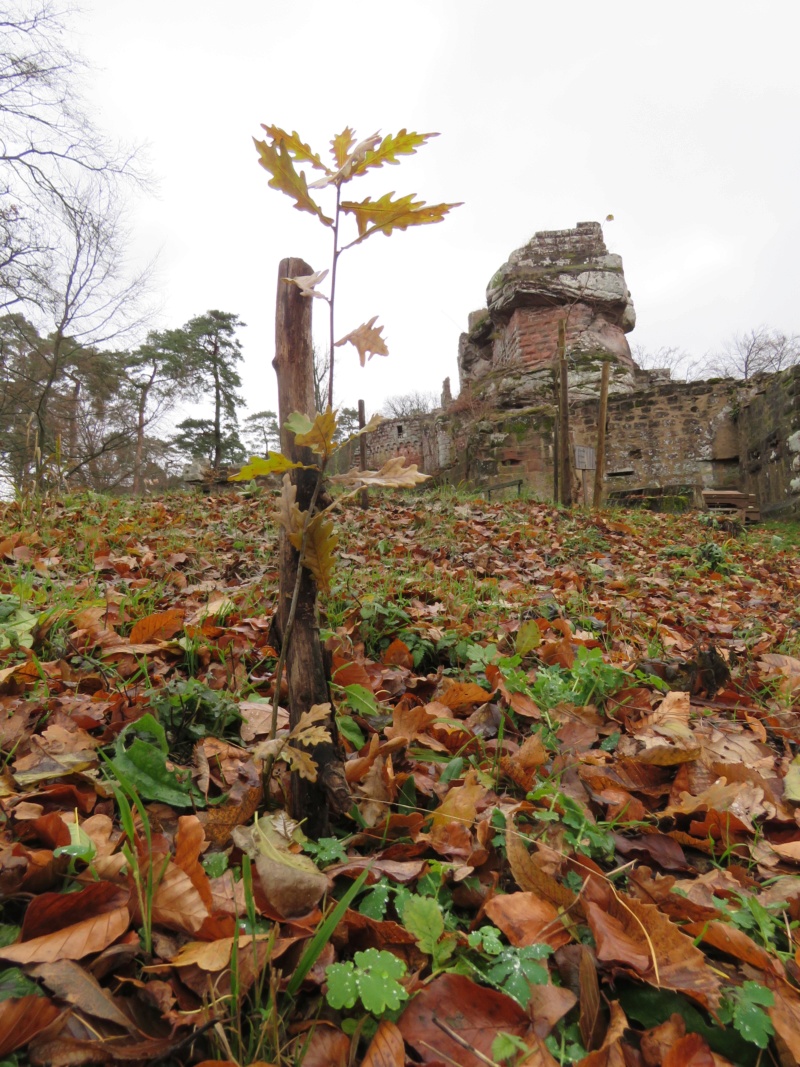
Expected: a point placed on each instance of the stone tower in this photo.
(558, 274)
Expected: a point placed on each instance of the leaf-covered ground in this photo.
(571, 746)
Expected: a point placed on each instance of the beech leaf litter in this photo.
(571, 741)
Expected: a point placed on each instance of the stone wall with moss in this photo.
(669, 434)
(768, 423)
(720, 434)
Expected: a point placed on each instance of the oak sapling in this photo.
(308, 526)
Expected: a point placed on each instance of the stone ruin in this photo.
(558, 274)
(662, 437)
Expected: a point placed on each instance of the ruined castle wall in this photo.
(721, 434)
(674, 433)
(769, 433)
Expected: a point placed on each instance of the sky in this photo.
(680, 119)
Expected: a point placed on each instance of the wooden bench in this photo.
(489, 489)
(743, 506)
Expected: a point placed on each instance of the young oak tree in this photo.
(308, 535)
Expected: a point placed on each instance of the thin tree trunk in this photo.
(600, 452)
(217, 409)
(305, 665)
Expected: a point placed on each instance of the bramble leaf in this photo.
(371, 977)
(386, 214)
(392, 475)
(275, 463)
(367, 339)
(529, 636)
(277, 160)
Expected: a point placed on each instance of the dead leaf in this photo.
(472, 1012)
(61, 930)
(458, 693)
(529, 876)
(158, 627)
(386, 1048)
(22, 1019)
(526, 919)
(75, 985)
(367, 340)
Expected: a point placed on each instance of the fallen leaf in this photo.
(472, 1012)
(158, 627)
(526, 919)
(22, 1019)
(386, 1048)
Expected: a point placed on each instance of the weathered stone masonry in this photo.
(716, 434)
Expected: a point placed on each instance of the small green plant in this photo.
(589, 680)
(138, 852)
(326, 850)
(744, 1007)
(580, 830)
(508, 1047)
(766, 925)
(513, 969)
(423, 917)
(140, 755)
(712, 556)
(16, 624)
(189, 711)
(371, 977)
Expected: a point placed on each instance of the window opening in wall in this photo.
(635, 453)
(399, 431)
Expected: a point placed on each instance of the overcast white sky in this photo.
(679, 118)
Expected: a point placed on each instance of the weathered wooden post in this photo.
(305, 666)
(602, 415)
(565, 481)
(362, 451)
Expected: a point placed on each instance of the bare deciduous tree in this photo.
(49, 148)
(86, 302)
(753, 352)
(680, 364)
(409, 404)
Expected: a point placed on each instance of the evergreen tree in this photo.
(209, 350)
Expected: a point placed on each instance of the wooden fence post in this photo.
(600, 457)
(565, 481)
(362, 451)
(305, 665)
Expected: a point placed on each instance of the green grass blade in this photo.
(324, 933)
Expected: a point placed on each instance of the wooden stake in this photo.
(305, 666)
(600, 458)
(563, 418)
(362, 451)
